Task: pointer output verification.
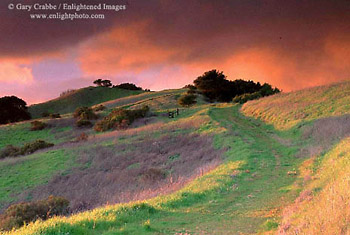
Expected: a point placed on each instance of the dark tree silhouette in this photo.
(106, 83)
(98, 82)
(214, 85)
(103, 83)
(13, 109)
(128, 86)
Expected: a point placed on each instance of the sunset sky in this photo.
(161, 44)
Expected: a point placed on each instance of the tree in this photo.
(128, 86)
(106, 83)
(103, 83)
(13, 109)
(213, 85)
(98, 82)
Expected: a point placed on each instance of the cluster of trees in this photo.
(214, 85)
(13, 109)
(126, 86)
(103, 83)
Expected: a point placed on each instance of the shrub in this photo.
(34, 146)
(83, 123)
(265, 90)
(190, 87)
(13, 151)
(153, 174)
(82, 137)
(55, 115)
(120, 118)
(37, 125)
(45, 114)
(18, 214)
(99, 108)
(191, 92)
(245, 97)
(10, 151)
(67, 92)
(84, 113)
(187, 100)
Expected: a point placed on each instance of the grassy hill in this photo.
(82, 97)
(214, 169)
(286, 110)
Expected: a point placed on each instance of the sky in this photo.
(161, 44)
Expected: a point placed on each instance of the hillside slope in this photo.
(286, 110)
(222, 170)
(83, 97)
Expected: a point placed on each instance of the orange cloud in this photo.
(11, 72)
(122, 49)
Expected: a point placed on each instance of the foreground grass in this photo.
(323, 206)
(243, 195)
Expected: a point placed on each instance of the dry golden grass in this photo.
(286, 110)
(327, 211)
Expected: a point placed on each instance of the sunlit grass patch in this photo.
(322, 207)
(21, 174)
(286, 110)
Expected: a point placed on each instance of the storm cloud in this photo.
(291, 44)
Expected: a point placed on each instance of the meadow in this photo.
(274, 165)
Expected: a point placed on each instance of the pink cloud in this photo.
(11, 72)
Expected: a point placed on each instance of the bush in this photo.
(34, 146)
(10, 151)
(45, 114)
(84, 113)
(154, 174)
(120, 118)
(55, 115)
(99, 108)
(187, 100)
(245, 97)
(265, 90)
(18, 214)
(67, 92)
(13, 151)
(83, 123)
(37, 125)
(82, 137)
(191, 92)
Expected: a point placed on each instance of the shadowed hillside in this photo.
(83, 97)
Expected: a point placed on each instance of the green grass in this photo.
(241, 195)
(153, 99)
(88, 96)
(24, 173)
(19, 134)
(245, 194)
